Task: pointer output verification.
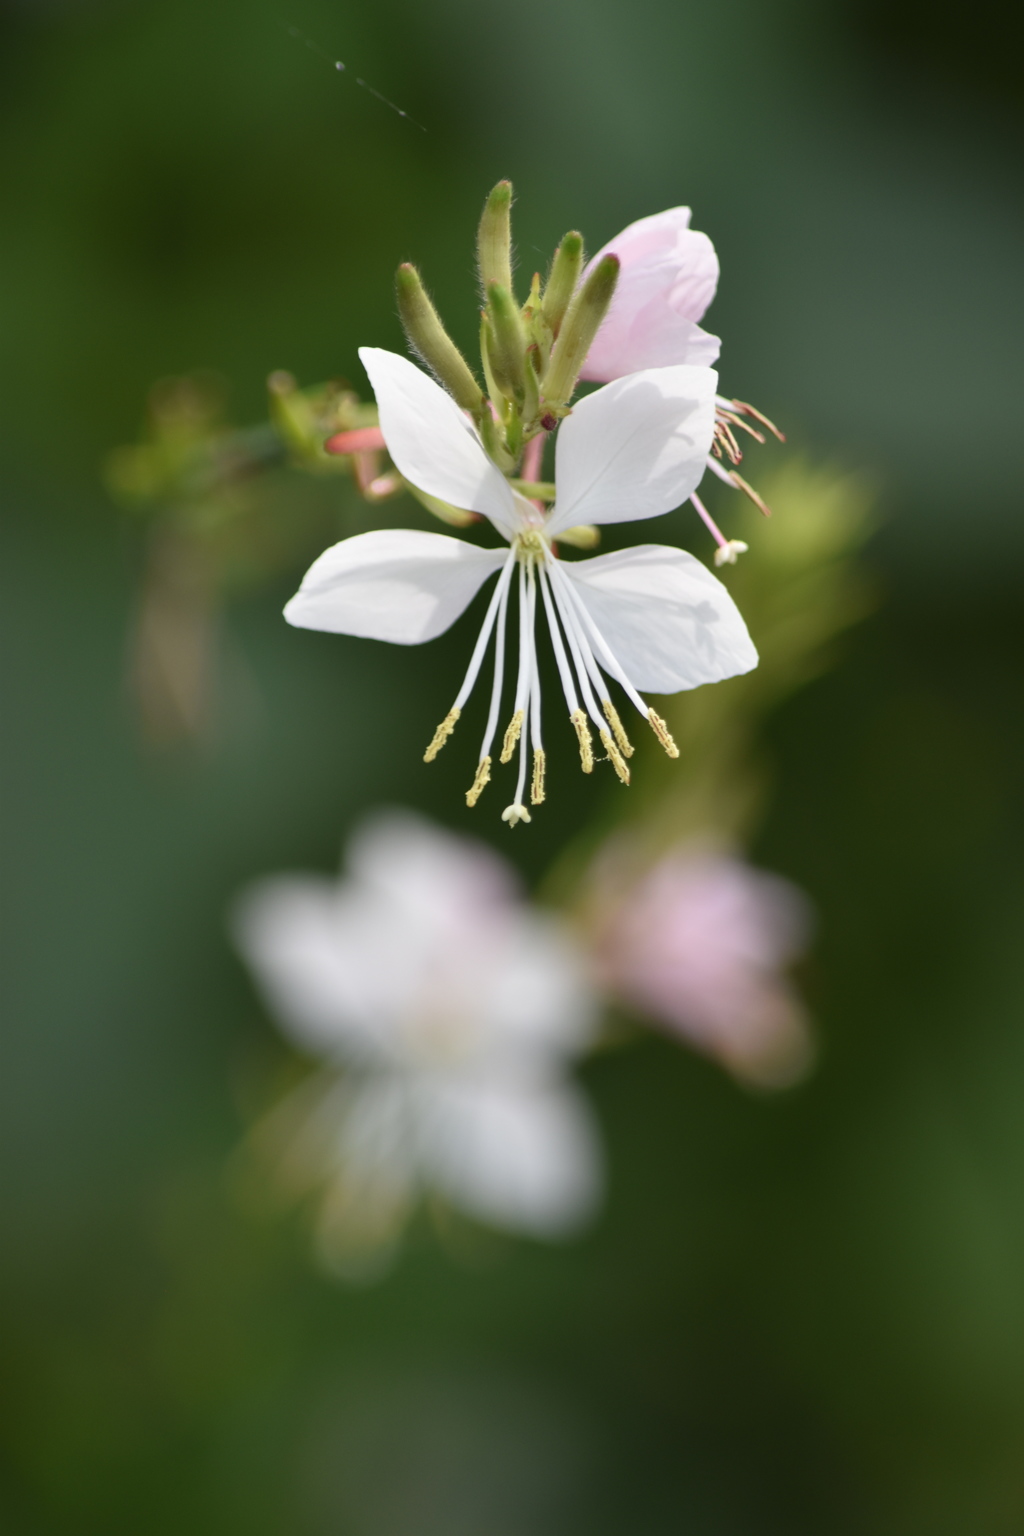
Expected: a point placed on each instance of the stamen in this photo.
(537, 787)
(751, 410)
(579, 720)
(515, 725)
(717, 469)
(725, 438)
(441, 735)
(582, 658)
(528, 686)
(483, 778)
(608, 658)
(759, 501)
(499, 658)
(515, 813)
(561, 660)
(615, 757)
(612, 716)
(737, 421)
(495, 610)
(661, 730)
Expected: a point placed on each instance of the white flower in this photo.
(453, 1008)
(650, 617)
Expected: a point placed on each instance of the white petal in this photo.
(394, 584)
(671, 623)
(327, 965)
(635, 448)
(429, 871)
(534, 998)
(433, 442)
(523, 1156)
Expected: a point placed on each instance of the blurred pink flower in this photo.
(667, 279)
(699, 945)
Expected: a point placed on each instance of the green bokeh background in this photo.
(799, 1315)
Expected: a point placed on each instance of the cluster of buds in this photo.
(531, 354)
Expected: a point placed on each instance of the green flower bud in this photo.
(565, 274)
(533, 303)
(586, 311)
(508, 353)
(430, 341)
(494, 442)
(456, 517)
(487, 358)
(494, 238)
(531, 395)
(583, 536)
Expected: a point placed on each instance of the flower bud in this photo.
(430, 341)
(531, 398)
(587, 309)
(456, 517)
(508, 352)
(565, 274)
(494, 442)
(494, 238)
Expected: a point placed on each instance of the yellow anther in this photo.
(579, 720)
(661, 730)
(515, 725)
(514, 814)
(483, 775)
(537, 787)
(441, 735)
(611, 714)
(615, 757)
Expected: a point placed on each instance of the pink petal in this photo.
(668, 278)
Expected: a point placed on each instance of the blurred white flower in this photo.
(446, 1010)
(699, 944)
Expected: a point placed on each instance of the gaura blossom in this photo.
(700, 944)
(667, 278)
(651, 617)
(668, 274)
(445, 1011)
